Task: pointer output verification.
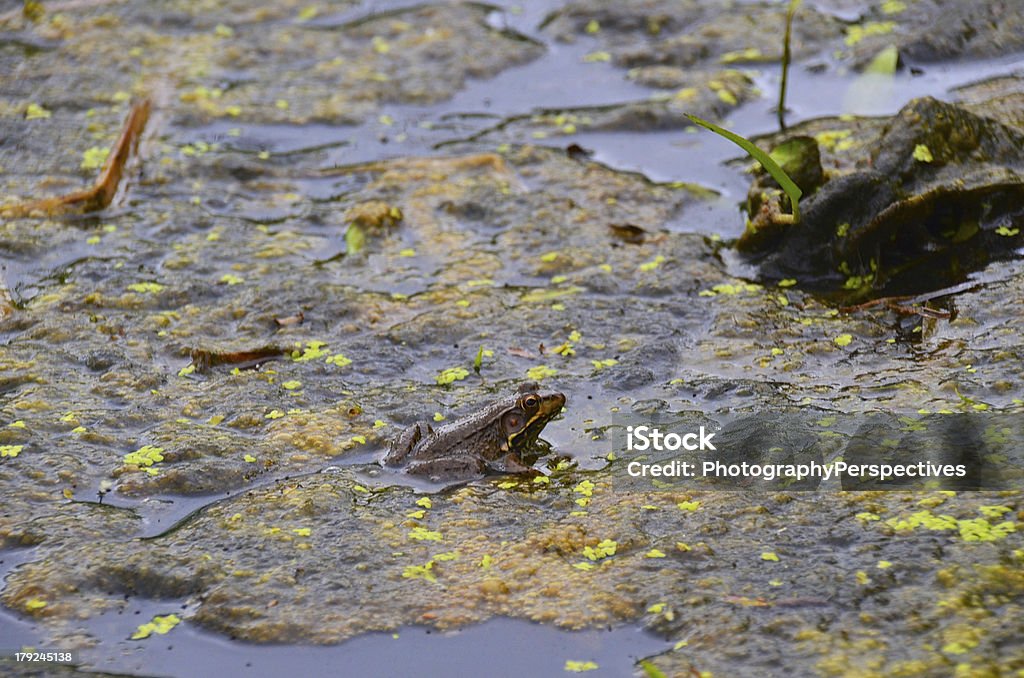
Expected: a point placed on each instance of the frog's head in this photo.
(526, 415)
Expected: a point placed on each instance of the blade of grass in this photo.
(355, 239)
(793, 4)
(772, 167)
(479, 360)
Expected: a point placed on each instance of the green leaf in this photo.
(160, 624)
(479, 360)
(651, 671)
(574, 666)
(772, 167)
(922, 153)
(541, 372)
(450, 375)
(36, 112)
(885, 61)
(94, 158)
(355, 239)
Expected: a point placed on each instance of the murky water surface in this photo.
(336, 205)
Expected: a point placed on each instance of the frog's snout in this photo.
(553, 403)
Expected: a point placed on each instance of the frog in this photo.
(493, 440)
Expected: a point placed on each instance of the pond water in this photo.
(237, 220)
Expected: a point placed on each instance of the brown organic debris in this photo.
(628, 233)
(204, 359)
(102, 192)
(373, 214)
(288, 321)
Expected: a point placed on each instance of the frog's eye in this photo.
(513, 422)
(531, 402)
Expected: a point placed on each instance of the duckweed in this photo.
(160, 625)
(574, 666)
(451, 375)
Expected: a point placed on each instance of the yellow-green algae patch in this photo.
(384, 557)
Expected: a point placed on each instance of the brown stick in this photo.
(204, 359)
(923, 311)
(105, 188)
(874, 302)
(893, 304)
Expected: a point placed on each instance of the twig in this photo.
(872, 303)
(893, 304)
(103, 191)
